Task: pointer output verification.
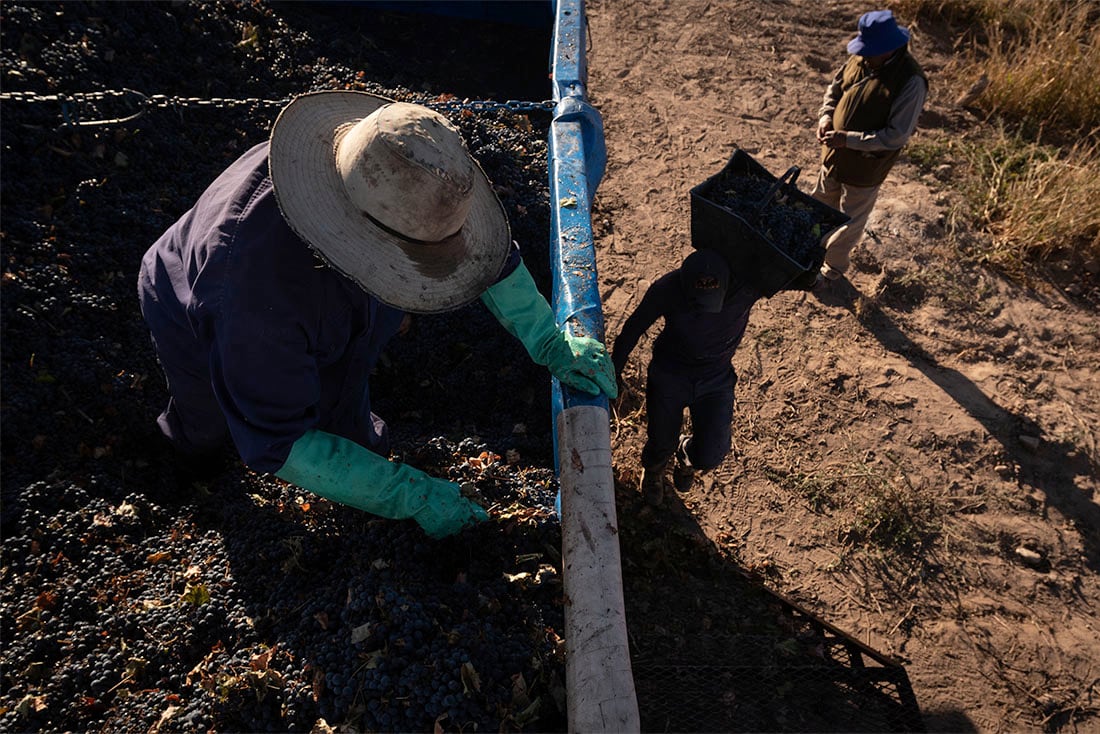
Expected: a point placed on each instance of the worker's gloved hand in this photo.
(446, 511)
(579, 361)
(343, 471)
(582, 363)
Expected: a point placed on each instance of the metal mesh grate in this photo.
(787, 686)
(714, 650)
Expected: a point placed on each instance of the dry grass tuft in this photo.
(1038, 202)
(1033, 173)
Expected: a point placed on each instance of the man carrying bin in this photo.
(868, 113)
(705, 316)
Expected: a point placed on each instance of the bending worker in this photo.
(271, 299)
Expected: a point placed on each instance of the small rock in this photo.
(975, 90)
(1030, 442)
(1029, 556)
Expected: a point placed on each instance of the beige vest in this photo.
(865, 101)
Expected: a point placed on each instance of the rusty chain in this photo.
(162, 101)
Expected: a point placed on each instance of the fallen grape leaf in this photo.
(30, 704)
(519, 691)
(196, 594)
(262, 660)
(528, 714)
(135, 667)
(360, 633)
(471, 681)
(165, 717)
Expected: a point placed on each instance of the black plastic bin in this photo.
(753, 257)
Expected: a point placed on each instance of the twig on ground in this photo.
(902, 620)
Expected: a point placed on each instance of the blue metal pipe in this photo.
(578, 157)
(599, 681)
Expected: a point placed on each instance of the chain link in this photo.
(162, 101)
(511, 105)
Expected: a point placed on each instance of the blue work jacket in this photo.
(237, 302)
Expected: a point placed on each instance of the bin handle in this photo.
(792, 174)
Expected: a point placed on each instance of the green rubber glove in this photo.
(579, 361)
(345, 472)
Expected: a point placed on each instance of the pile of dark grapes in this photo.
(137, 595)
(787, 223)
(249, 606)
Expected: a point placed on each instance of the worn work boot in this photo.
(683, 473)
(653, 484)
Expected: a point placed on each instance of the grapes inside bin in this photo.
(770, 232)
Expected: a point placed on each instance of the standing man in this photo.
(869, 112)
(704, 320)
(271, 299)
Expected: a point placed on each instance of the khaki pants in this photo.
(855, 201)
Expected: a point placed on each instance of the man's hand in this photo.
(579, 361)
(445, 511)
(824, 125)
(343, 471)
(582, 363)
(835, 139)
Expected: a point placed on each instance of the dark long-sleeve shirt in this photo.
(238, 302)
(697, 342)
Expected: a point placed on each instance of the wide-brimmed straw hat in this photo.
(388, 194)
(879, 34)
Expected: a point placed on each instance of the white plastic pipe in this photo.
(599, 679)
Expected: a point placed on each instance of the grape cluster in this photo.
(786, 222)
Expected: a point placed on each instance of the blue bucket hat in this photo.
(879, 33)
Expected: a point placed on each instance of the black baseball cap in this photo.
(705, 277)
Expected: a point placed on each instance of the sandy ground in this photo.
(926, 400)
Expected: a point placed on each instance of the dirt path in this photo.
(930, 401)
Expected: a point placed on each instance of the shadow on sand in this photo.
(1049, 466)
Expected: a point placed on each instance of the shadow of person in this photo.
(1052, 467)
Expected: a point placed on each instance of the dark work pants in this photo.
(708, 396)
